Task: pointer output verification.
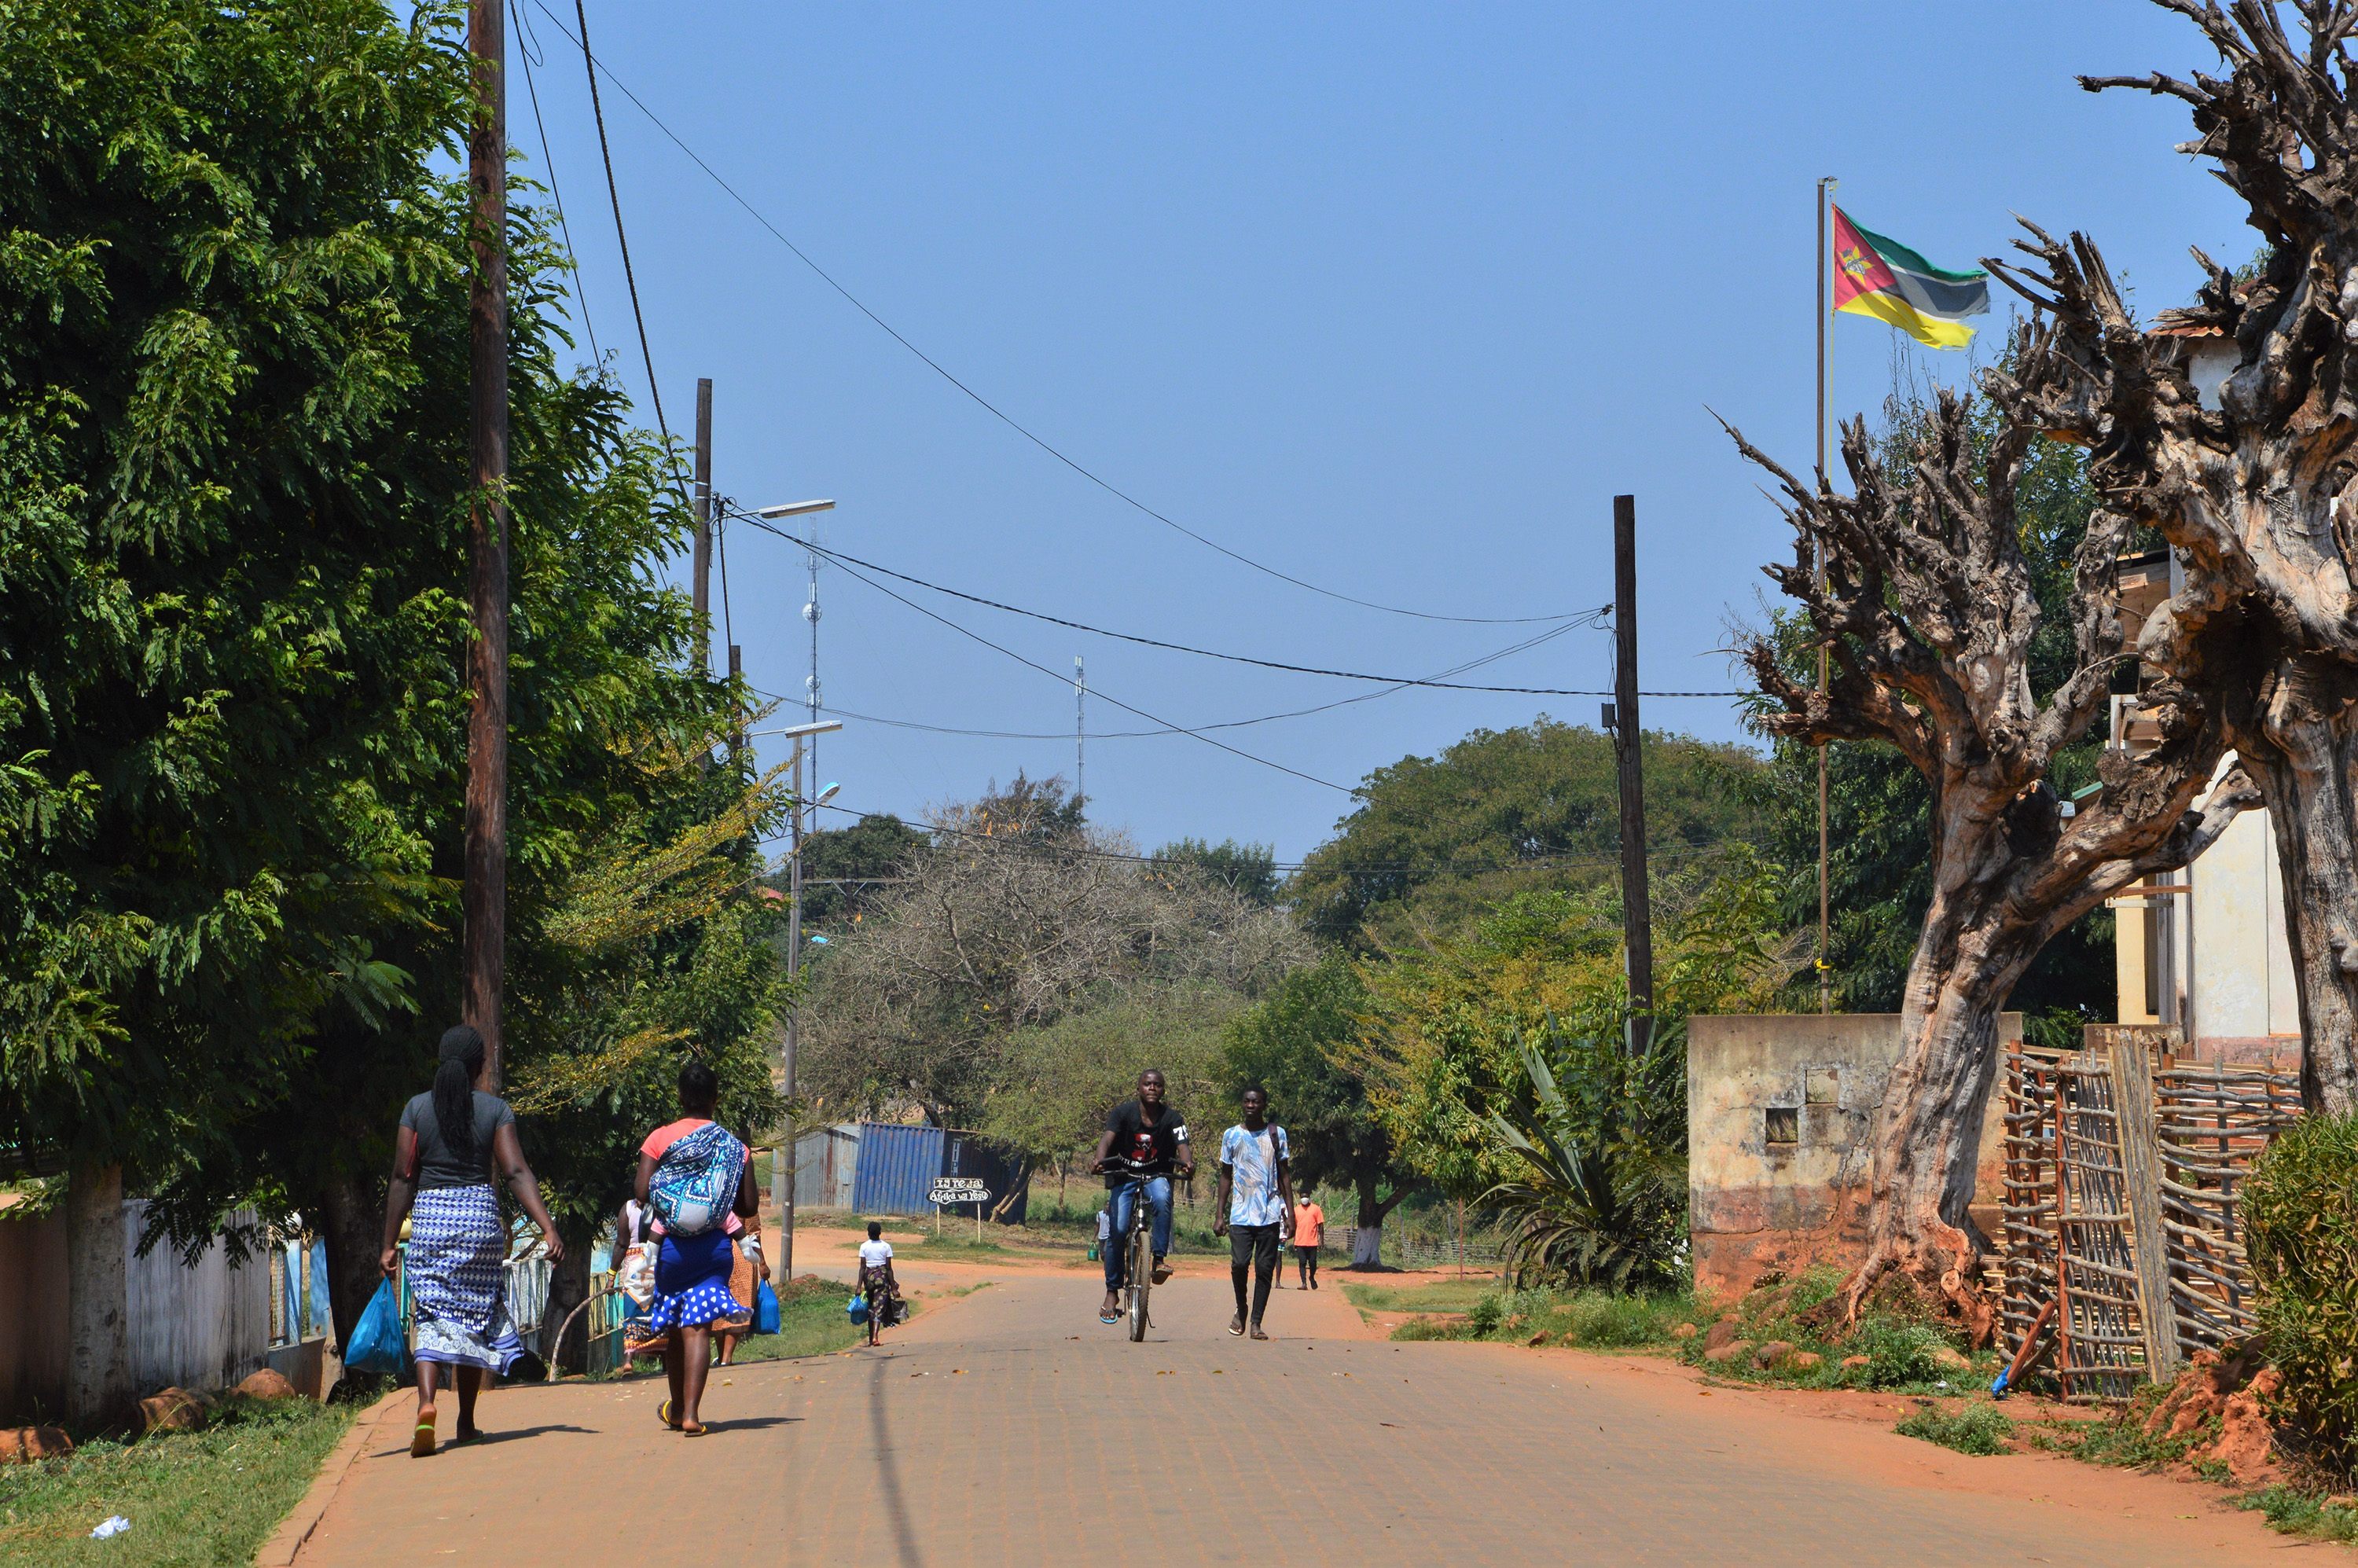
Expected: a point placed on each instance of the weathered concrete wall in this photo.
(32, 1318)
(205, 1326)
(1780, 1110)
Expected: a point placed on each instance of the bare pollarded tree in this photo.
(2254, 486)
(1014, 918)
(1917, 586)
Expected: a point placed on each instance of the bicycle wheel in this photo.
(1141, 1266)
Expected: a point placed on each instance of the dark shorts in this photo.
(1252, 1244)
(1309, 1252)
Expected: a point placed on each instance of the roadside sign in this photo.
(948, 1189)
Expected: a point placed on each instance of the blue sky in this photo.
(1392, 299)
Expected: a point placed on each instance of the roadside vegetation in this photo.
(212, 1495)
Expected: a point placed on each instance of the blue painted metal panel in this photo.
(897, 1169)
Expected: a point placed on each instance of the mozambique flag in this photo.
(1880, 277)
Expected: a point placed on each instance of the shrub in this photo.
(1897, 1353)
(1977, 1428)
(1613, 1319)
(1488, 1311)
(2301, 1231)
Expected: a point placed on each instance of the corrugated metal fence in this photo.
(896, 1169)
(825, 1159)
(878, 1167)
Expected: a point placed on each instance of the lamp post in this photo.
(781, 1164)
(811, 608)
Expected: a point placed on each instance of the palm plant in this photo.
(1599, 1140)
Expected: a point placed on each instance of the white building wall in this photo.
(2229, 947)
(2230, 904)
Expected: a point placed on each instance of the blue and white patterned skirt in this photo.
(457, 1282)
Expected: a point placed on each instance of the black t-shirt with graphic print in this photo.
(1137, 1137)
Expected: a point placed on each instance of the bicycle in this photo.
(1137, 1245)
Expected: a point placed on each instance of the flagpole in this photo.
(1823, 304)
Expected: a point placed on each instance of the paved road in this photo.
(1011, 1427)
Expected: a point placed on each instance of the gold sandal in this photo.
(421, 1438)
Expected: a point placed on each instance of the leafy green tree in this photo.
(232, 571)
(1248, 870)
(220, 228)
(1066, 1075)
(845, 868)
(1442, 1051)
(1436, 841)
(1296, 1044)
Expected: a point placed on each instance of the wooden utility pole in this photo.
(704, 525)
(483, 900)
(1637, 917)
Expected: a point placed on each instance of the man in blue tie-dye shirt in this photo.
(1254, 1206)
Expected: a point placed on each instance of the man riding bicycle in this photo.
(1149, 1135)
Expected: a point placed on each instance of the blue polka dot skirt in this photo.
(692, 1283)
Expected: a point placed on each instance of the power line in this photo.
(1150, 734)
(548, 157)
(1585, 619)
(614, 192)
(1151, 717)
(1004, 841)
(979, 400)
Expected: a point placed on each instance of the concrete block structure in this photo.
(1780, 1110)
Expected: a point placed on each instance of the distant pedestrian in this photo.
(878, 1287)
(745, 1276)
(1309, 1220)
(1255, 1199)
(450, 1138)
(698, 1181)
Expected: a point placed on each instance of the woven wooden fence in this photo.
(2122, 1184)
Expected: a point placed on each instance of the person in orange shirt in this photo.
(1308, 1217)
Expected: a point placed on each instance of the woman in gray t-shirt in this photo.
(450, 1138)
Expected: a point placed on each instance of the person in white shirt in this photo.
(1255, 1202)
(876, 1280)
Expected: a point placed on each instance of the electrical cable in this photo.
(979, 400)
(1149, 734)
(614, 194)
(548, 157)
(1052, 675)
(1586, 618)
(1006, 841)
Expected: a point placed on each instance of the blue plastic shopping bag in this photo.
(765, 1310)
(376, 1344)
(857, 1308)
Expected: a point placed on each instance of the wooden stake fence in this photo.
(2122, 1193)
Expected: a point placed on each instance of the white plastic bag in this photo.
(636, 1274)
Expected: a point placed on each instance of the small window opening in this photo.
(1784, 1124)
(1824, 1087)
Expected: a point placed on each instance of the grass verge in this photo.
(192, 1497)
(1977, 1428)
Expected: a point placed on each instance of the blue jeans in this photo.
(1158, 1196)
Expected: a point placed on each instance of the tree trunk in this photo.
(1367, 1237)
(354, 1225)
(2305, 764)
(1927, 1140)
(568, 1287)
(98, 1367)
